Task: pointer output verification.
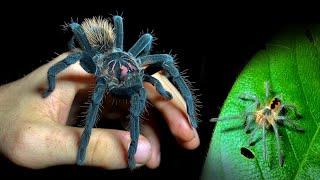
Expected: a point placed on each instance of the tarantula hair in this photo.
(266, 115)
(119, 73)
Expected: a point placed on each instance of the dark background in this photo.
(212, 41)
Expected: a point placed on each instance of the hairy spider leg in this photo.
(249, 118)
(250, 97)
(91, 118)
(118, 26)
(251, 138)
(225, 118)
(88, 64)
(86, 61)
(280, 153)
(264, 133)
(246, 114)
(292, 108)
(71, 43)
(58, 67)
(147, 49)
(81, 37)
(156, 83)
(138, 101)
(268, 90)
(166, 62)
(289, 123)
(143, 43)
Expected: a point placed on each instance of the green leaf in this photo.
(291, 64)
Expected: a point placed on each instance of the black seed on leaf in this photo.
(246, 153)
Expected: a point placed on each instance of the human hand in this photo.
(34, 134)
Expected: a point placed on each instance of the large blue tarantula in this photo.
(119, 73)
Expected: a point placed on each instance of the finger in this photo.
(57, 105)
(149, 130)
(174, 112)
(68, 82)
(73, 73)
(192, 144)
(46, 145)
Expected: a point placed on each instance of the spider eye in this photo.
(272, 106)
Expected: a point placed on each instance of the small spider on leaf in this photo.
(272, 112)
(118, 73)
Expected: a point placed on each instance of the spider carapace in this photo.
(269, 112)
(119, 66)
(121, 70)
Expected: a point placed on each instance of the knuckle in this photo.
(20, 148)
(106, 151)
(94, 151)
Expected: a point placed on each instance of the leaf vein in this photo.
(313, 119)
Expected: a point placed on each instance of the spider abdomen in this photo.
(99, 33)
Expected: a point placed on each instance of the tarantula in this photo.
(270, 113)
(119, 73)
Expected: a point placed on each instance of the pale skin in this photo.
(34, 134)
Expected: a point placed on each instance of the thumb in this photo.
(44, 145)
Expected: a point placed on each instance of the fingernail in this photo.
(139, 165)
(143, 152)
(186, 132)
(187, 123)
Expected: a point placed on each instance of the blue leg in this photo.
(143, 43)
(147, 49)
(155, 82)
(167, 64)
(118, 25)
(58, 67)
(138, 101)
(91, 118)
(156, 59)
(81, 37)
(71, 43)
(88, 64)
